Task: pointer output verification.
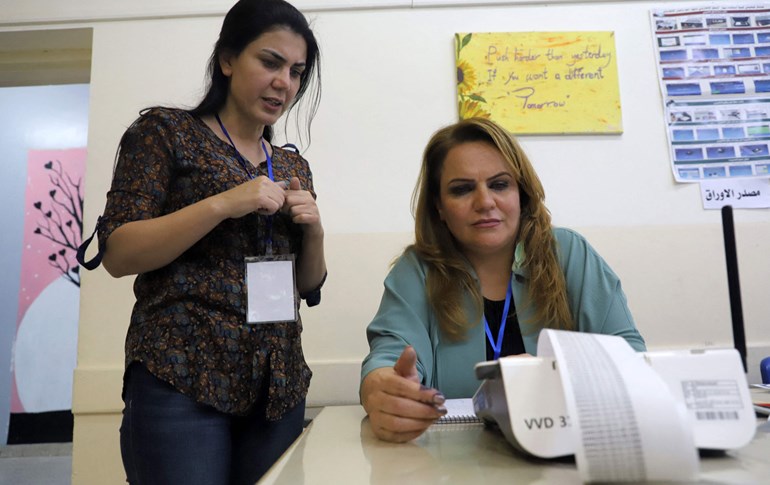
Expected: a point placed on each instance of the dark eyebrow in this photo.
(493, 177)
(459, 180)
(501, 174)
(279, 57)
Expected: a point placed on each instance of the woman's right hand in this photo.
(400, 409)
(260, 195)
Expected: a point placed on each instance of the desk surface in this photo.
(339, 447)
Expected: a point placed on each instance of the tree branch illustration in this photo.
(62, 221)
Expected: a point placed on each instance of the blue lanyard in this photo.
(241, 159)
(245, 166)
(497, 347)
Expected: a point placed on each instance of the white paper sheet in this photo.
(628, 425)
(739, 193)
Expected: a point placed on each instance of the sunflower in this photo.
(472, 109)
(466, 77)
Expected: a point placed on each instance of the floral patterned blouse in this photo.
(188, 325)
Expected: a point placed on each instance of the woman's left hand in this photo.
(302, 208)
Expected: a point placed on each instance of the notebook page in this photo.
(459, 411)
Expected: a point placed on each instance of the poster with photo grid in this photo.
(714, 71)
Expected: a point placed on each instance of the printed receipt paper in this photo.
(626, 430)
(626, 416)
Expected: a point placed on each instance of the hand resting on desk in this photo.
(400, 409)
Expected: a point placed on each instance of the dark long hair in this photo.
(247, 20)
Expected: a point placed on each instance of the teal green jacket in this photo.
(596, 300)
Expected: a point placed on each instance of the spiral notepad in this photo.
(459, 411)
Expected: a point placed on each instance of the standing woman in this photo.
(486, 273)
(211, 398)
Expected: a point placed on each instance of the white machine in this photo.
(594, 397)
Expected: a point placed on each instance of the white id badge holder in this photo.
(270, 289)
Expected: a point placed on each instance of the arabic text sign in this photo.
(739, 193)
(540, 82)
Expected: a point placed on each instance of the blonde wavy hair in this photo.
(450, 278)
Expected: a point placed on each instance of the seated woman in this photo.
(486, 273)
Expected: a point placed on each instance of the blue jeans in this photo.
(167, 438)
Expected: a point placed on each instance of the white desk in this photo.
(339, 447)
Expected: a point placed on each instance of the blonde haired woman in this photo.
(486, 273)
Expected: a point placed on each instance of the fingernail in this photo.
(441, 409)
(438, 398)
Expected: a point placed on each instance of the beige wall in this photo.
(388, 84)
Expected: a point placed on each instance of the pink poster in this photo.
(45, 349)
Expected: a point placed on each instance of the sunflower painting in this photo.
(472, 109)
(466, 77)
(469, 102)
(539, 82)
